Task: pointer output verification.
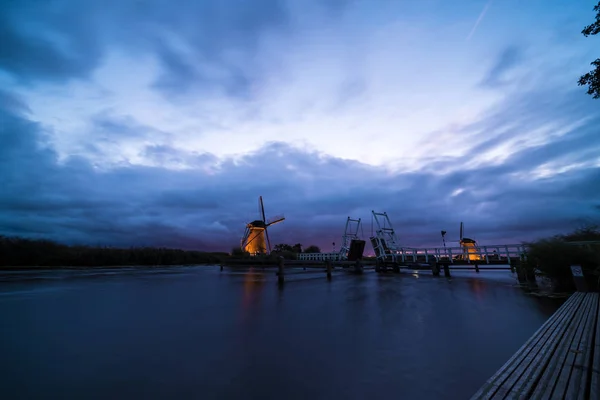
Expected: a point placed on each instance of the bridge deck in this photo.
(560, 361)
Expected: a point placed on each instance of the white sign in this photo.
(577, 271)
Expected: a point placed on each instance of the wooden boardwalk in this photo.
(560, 361)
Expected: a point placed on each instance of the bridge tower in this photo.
(352, 246)
(384, 242)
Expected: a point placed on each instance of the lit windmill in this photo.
(256, 236)
(469, 247)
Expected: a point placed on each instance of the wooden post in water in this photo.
(280, 271)
(328, 267)
(396, 267)
(521, 273)
(435, 269)
(476, 267)
(529, 271)
(447, 270)
(221, 267)
(358, 268)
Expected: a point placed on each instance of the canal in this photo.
(199, 333)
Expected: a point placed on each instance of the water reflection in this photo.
(254, 283)
(477, 287)
(232, 334)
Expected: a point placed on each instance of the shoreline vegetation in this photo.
(23, 253)
(551, 258)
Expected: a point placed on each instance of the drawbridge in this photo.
(388, 250)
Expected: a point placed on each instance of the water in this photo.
(198, 333)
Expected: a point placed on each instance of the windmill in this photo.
(256, 232)
(469, 247)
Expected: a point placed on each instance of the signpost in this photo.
(579, 279)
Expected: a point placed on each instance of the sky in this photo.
(160, 122)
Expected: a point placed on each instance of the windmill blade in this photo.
(275, 220)
(262, 210)
(268, 240)
(461, 230)
(245, 238)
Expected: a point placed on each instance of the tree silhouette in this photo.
(592, 78)
(312, 249)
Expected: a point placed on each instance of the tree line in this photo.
(19, 252)
(297, 248)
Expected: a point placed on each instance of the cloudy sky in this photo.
(160, 122)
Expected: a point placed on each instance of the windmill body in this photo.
(469, 247)
(254, 241)
(256, 237)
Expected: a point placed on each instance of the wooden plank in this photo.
(594, 387)
(578, 383)
(488, 390)
(492, 385)
(550, 378)
(522, 379)
(538, 361)
(571, 374)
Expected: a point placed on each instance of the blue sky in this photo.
(156, 122)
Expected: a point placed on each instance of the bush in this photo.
(553, 257)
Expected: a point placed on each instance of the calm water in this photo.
(198, 333)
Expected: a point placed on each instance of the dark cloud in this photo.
(201, 46)
(205, 203)
(64, 39)
(53, 40)
(508, 59)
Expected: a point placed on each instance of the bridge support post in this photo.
(435, 269)
(280, 271)
(447, 270)
(377, 265)
(358, 267)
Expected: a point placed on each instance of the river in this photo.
(202, 333)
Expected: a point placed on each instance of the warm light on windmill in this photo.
(256, 237)
(469, 246)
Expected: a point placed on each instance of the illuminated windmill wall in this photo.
(256, 237)
(469, 247)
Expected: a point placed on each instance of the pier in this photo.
(560, 361)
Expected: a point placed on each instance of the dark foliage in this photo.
(282, 247)
(19, 252)
(238, 252)
(312, 249)
(554, 256)
(592, 78)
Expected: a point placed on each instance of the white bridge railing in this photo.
(319, 256)
(471, 255)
